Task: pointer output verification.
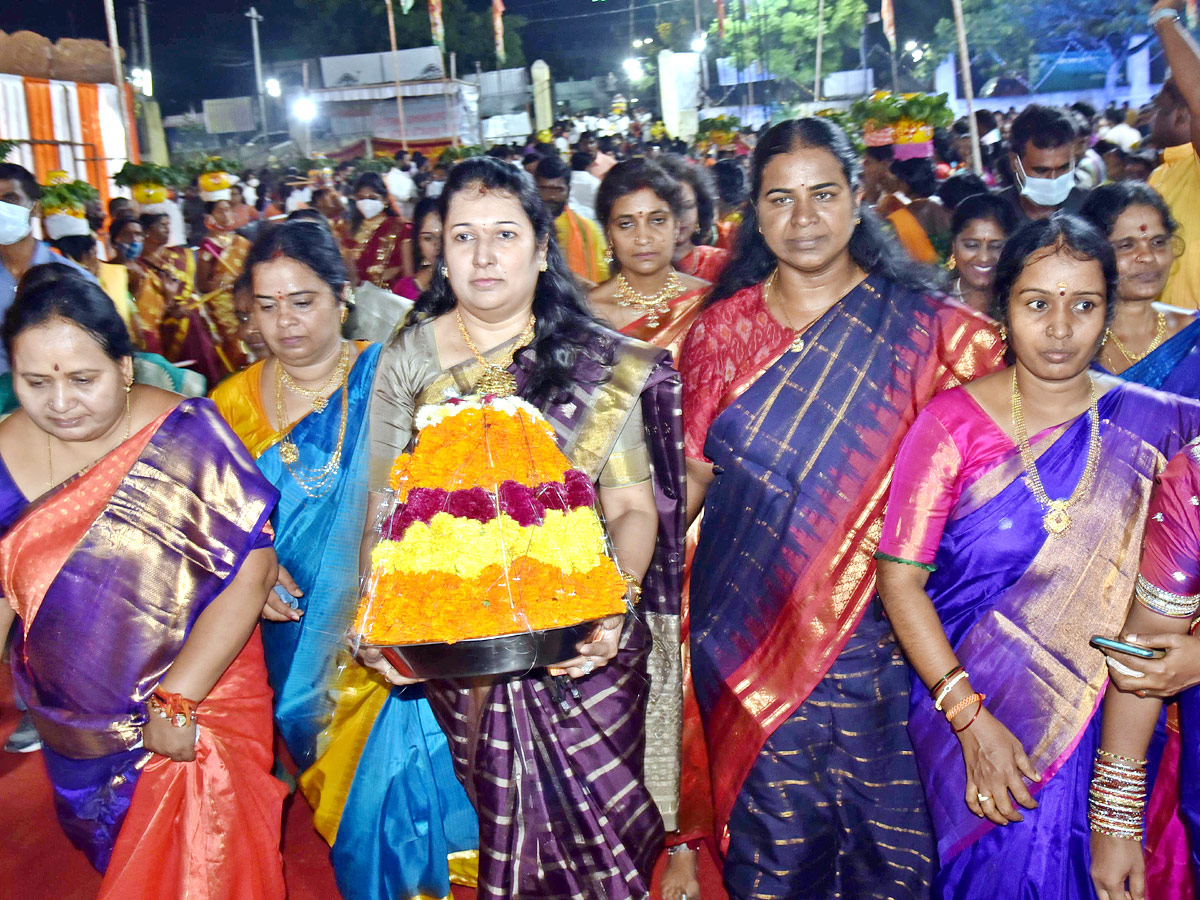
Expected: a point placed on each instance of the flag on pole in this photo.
(721, 19)
(498, 28)
(888, 14)
(435, 24)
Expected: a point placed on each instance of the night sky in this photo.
(203, 50)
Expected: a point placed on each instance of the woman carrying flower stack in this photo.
(395, 831)
(557, 775)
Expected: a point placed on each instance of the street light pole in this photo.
(145, 34)
(820, 36)
(396, 76)
(110, 19)
(255, 18)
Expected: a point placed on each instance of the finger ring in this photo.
(982, 798)
(588, 667)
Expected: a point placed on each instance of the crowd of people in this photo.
(882, 441)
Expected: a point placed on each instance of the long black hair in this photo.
(702, 186)
(566, 328)
(307, 242)
(870, 246)
(424, 207)
(58, 291)
(375, 182)
(1063, 233)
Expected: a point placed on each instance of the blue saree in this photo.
(374, 765)
(1174, 367)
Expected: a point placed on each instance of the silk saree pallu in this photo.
(375, 251)
(228, 253)
(572, 779)
(672, 327)
(1019, 607)
(803, 451)
(374, 765)
(108, 573)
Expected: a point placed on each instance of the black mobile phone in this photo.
(1103, 643)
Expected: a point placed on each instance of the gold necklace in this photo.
(1160, 329)
(319, 397)
(798, 333)
(654, 305)
(496, 379)
(314, 482)
(1056, 520)
(50, 459)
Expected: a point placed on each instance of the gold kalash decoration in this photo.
(1057, 519)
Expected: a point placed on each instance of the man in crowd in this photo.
(1175, 129)
(1042, 154)
(20, 251)
(580, 238)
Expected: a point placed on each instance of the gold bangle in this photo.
(633, 586)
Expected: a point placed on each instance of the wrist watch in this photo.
(1159, 14)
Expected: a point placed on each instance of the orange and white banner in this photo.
(81, 123)
(888, 13)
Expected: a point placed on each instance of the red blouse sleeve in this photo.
(704, 383)
(925, 487)
(1169, 581)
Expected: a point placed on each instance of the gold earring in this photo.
(608, 255)
(129, 385)
(345, 314)
(951, 263)
(544, 266)
(1004, 334)
(445, 272)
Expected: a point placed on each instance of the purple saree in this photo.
(571, 779)
(1019, 607)
(108, 598)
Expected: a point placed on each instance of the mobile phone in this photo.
(1103, 643)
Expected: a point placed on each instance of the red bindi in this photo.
(1144, 228)
(279, 296)
(1062, 289)
(56, 367)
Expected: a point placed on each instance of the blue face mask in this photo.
(132, 250)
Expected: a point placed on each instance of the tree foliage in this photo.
(784, 33)
(1002, 34)
(337, 27)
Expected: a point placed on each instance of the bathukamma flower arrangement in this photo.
(490, 532)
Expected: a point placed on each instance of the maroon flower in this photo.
(519, 502)
(580, 491)
(553, 495)
(474, 503)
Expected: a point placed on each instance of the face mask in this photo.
(369, 208)
(132, 250)
(1046, 191)
(14, 223)
(253, 182)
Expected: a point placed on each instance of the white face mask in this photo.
(1046, 191)
(14, 223)
(370, 207)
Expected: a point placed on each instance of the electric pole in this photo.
(145, 35)
(255, 18)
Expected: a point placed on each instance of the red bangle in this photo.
(978, 710)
